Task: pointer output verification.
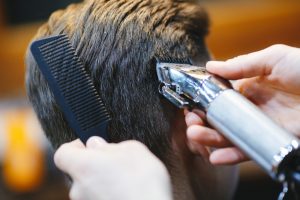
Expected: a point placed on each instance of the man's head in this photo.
(118, 41)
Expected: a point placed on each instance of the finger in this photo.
(259, 63)
(75, 193)
(200, 113)
(131, 145)
(185, 111)
(77, 143)
(255, 90)
(231, 155)
(70, 157)
(193, 119)
(95, 142)
(60, 156)
(206, 136)
(197, 111)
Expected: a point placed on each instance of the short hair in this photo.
(117, 40)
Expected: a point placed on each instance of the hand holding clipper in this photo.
(230, 113)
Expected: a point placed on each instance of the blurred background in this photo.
(26, 167)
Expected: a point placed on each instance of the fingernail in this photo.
(189, 117)
(192, 118)
(211, 65)
(213, 160)
(193, 132)
(218, 158)
(190, 132)
(200, 113)
(215, 63)
(95, 142)
(185, 112)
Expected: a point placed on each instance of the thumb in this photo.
(259, 63)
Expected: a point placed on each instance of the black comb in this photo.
(72, 86)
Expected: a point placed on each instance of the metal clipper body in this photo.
(230, 113)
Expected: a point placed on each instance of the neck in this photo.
(193, 177)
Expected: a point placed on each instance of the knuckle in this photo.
(281, 52)
(278, 47)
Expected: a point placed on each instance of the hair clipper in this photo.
(239, 120)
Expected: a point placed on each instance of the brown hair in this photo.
(117, 40)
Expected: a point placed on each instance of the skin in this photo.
(270, 79)
(102, 171)
(128, 170)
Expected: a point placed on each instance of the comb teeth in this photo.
(76, 89)
(173, 60)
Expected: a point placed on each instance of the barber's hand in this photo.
(271, 79)
(99, 170)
